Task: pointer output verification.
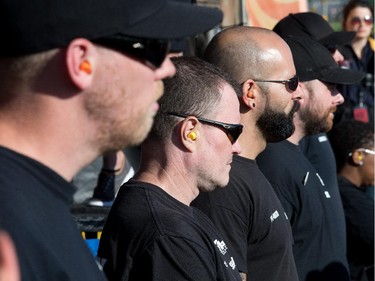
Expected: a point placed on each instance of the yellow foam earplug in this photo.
(192, 136)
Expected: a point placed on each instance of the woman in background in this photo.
(359, 98)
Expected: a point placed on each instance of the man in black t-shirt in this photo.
(78, 79)
(247, 211)
(318, 227)
(316, 147)
(151, 232)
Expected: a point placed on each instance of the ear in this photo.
(80, 62)
(357, 157)
(249, 93)
(190, 133)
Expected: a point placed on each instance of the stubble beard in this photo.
(113, 132)
(313, 123)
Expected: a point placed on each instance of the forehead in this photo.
(360, 11)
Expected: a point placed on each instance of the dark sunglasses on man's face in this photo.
(357, 20)
(291, 83)
(233, 131)
(153, 51)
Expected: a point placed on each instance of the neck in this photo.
(358, 44)
(39, 133)
(299, 131)
(352, 174)
(168, 174)
(251, 141)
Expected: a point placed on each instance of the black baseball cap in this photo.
(28, 27)
(313, 26)
(313, 61)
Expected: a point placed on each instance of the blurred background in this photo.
(265, 13)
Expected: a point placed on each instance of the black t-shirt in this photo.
(318, 151)
(359, 214)
(150, 235)
(250, 216)
(35, 210)
(319, 234)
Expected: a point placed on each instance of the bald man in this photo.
(247, 211)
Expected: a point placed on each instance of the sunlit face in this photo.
(360, 20)
(216, 150)
(276, 120)
(320, 103)
(124, 100)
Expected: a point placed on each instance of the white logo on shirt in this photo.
(321, 180)
(274, 216)
(222, 247)
(286, 216)
(327, 194)
(232, 264)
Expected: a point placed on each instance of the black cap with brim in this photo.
(176, 20)
(338, 38)
(313, 61)
(313, 26)
(33, 26)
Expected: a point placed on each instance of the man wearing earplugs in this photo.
(151, 232)
(78, 79)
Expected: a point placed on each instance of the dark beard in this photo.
(277, 126)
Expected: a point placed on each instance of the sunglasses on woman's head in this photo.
(153, 51)
(233, 131)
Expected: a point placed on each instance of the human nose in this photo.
(338, 57)
(340, 99)
(297, 94)
(166, 70)
(236, 147)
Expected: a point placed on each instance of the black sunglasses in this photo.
(291, 83)
(357, 20)
(233, 131)
(153, 51)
